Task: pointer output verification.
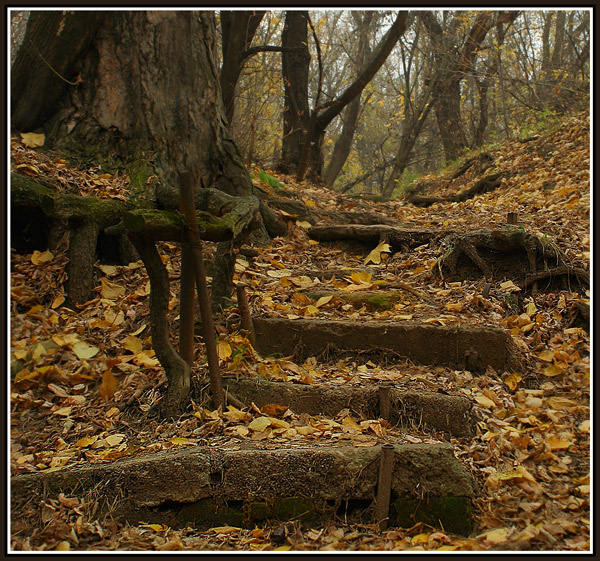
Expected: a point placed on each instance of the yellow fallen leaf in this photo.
(305, 430)
(63, 411)
(457, 307)
(158, 527)
(512, 381)
(108, 385)
(283, 548)
(360, 277)
(556, 443)
(484, 401)
(303, 224)
(323, 300)
(32, 139)
(65, 340)
(107, 269)
(419, 539)
(145, 359)
(112, 412)
(584, 426)
(84, 351)
(133, 344)
(110, 290)
(39, 257)
(350, 422)
(508, 475)
(375, 255)
(58, 301)
(496, 536)
(224, 529)
(224, 349)
(553, 370)
(273, 410)
(179, 441)
(25, 374)
(510, 286)
(86, 441)
(114, 439)
(63, 545)
(260, 424)
(530, 309)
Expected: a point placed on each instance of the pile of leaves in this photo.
(85, 383)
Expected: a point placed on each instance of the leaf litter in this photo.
(85, 383)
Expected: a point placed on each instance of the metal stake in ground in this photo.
(186, 194)
(384, 486)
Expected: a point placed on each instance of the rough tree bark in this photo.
(141, 86)
(328, 112)
(455, 64)
(295, 61)
(341, 150)
(237, 32)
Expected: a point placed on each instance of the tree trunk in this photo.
(294, 139)
(148, 86)
(142, 86)
(237, 32)
(295, 65)
(455, 64)
(341, 150)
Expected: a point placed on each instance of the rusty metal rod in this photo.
(384, 485)
(186, 191)
(384, 402)
(245, 313)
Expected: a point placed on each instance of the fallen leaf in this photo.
(133, 344)
(224, 349)
(32, 139)
(419, 539)
(273, 410)
(484, 401)
(553, 370)
(260, 424)
(512, 381)
(108, 385)
(375, 255)
(39, 257)
(84, 351)
(109, 290)
(224, 529)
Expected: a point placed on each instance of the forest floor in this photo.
(85, 382)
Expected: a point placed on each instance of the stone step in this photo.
(212, 486)
(429, 411)
(456, 346)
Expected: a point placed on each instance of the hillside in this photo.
(85, 382)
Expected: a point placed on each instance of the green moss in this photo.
(452, 514)
(381, 301)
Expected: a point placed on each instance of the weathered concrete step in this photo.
(472, 348)
(206, 486)
(440, 412)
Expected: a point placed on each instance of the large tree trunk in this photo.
(454, 64)
(147, 85)
(143, 86)
(295, 65)
(292, 149)
(237, 32)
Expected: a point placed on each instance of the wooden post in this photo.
(384, 402)
(186, 193)
(245, 313)
(384, 485)
(186, 304)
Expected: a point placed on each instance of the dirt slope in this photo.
(85, 383)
